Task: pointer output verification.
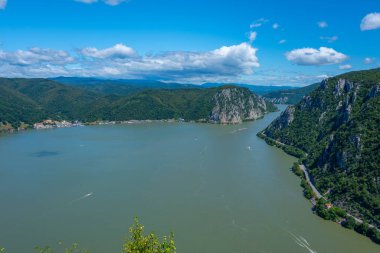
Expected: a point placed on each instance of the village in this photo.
(48, 124)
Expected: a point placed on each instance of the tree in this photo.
(349, 223)
(139, 243)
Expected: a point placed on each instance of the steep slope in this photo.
(258, 89)
(338, 126)
(53, 99)
(16, 108)
(33, 100)
(217, 105)
(235, 105)
(289, 96)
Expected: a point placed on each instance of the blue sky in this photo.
(293, 42)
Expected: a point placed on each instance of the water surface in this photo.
(219, 188)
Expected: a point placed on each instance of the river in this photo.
(220, 189)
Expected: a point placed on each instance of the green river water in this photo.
(220, 189)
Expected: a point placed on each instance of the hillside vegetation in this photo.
(338, 126)
(289, 96)
(27, 101)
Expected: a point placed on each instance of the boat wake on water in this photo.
(83, 197)
(302, 242)
(238, 130)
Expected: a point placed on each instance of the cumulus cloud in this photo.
(345, 67)
(282, 42)
(322, 24)
(225, 63)
(370, 22)
(252, 36)
(35, 56)
(109, 2)
(3, 4)
(369, 60)
(119, 51)
(329, 39)
(312, 56)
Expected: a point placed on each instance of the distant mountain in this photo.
(132, 86)
(258, 89)
(289, 96)
(118, 86)
(32, 100)
(338, 126)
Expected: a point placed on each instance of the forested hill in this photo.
(24, 102)
(338, 125)
(119, 86)
(289, 96)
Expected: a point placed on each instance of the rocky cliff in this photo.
(289, 96)
(28, 101)
(338, 125)
(233, 105)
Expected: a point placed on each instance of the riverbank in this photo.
(321, 205)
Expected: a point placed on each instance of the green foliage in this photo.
(334, 213)
(140, 243)
(362, 228)
(338, 126)
(33, 100)
(136, 243)
(307, 191)
(297, 170)
(349, 223)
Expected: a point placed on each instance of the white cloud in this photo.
(119, 51)
(226, 63)
(252, 36)
(312, 56)
(370, 22)
(275, 26)
(113, 2)
(109, 2)
(35, 56)
(258, 23)
(346, 66)
(3, 4)
(282, 42)
(369, 60)
(322, 24)
(329, 39)
(87, 1)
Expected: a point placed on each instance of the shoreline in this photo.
(53, 124)
(320, 204)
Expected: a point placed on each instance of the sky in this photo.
(262, 42)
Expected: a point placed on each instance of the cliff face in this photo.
(338, 125)
(28, 101)
(289, 96)
(234, 105)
